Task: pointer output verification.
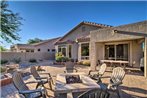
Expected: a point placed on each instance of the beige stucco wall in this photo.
(78, 34)
(145, 58)
(10, 56)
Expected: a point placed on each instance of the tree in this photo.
(10, 23)
(35, 40)
(2, 49)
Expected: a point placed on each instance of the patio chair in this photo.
(23, 88)
(115, 80)
(70, 67)
(98, 74)
(95, 93)
(43, 80)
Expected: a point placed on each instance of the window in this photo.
(48, 50)
(62, 49)
(27, 51)
(53, 50)
(116, 52)
(70, 51)
(32, 50)
(83, 29)
(85, 51)
(38, 49)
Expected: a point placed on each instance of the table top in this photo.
(62, 87)
(115, 61)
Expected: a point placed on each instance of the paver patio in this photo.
(134, 84)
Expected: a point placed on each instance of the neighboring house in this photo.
(44, 46)
(75, 44)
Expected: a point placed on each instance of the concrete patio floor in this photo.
(134, 84)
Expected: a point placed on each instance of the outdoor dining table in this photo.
(113, 62)
(62, 88)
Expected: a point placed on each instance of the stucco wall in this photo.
(27, 56)
(78, 33)
(45, 46)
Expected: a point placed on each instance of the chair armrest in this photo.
(93, 71)
(31, 91)
(116, 84)
(36, 81)
(39, 78)
(75, 69)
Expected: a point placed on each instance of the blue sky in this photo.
(48, 19)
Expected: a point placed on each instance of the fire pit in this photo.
(73, 79)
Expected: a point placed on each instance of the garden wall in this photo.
(25, 56)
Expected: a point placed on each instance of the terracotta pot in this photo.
(5, 81)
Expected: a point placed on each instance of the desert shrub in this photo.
(87, 63)
(80, 63)
(17, 60)
(2, 69)
(4, 61)
(61, 58)
(33, 60)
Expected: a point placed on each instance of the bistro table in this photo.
(62, 88)
(113, 62)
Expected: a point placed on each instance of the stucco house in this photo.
(75, 43)
(92, 41)
(44, 46)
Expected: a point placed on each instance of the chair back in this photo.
(18, 81)
(117, 75)
(95, 93)
(69, 66)
(102, 69)
(34, 72)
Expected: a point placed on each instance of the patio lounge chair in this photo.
(43, 80)
(70, 67)
(95, 93)
(115, 80)
(98, 74)
(24, 90)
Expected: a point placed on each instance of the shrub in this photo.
(33, 60)
(17, 60)
(61, 58)
(87, 63)
(4, 61)
(80, 63)
(2, 69)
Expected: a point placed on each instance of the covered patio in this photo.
(122, 43)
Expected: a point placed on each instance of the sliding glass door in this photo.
(116, 52)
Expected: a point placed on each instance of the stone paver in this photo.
(134, 84)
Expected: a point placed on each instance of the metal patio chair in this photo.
(70, 67)
(23, 88)
(43, 80)
(116, 79)
(95, 93)
(96, 75)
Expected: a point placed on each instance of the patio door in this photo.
(116, 52)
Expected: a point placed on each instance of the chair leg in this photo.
(118, 94)
(50, 84)
(37, 85)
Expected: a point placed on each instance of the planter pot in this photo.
(5, 81)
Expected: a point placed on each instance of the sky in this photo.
(46, 19)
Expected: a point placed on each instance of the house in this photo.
(75, 44)
(125, 43)
(44, 46)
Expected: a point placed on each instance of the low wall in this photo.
(25, 56)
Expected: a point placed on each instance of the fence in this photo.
(25, 56)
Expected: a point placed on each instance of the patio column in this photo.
(93, 53)
(79, 52)
(145, 58)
